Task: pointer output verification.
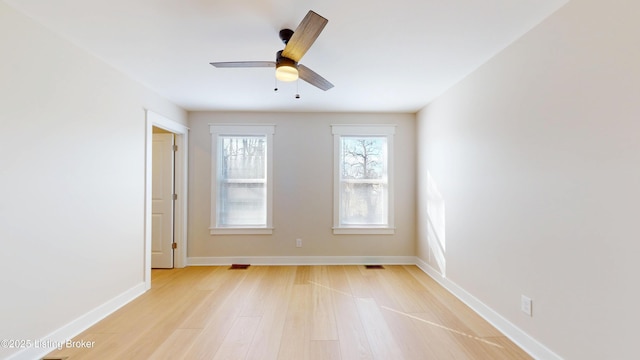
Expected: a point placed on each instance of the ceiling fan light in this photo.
(286, 73)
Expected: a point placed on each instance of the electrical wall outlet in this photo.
(526, 305)
(298, 242)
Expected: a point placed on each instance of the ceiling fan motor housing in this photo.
(284, 61)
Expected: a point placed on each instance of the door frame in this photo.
(181, 186)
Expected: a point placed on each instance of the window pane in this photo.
(243, 157)
(242, 204)
(363, 157)
(363, 204)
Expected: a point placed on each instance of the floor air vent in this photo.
(239, 266)
(374, 267)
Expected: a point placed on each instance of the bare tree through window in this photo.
(363, 180)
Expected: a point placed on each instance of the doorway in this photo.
(181, 135)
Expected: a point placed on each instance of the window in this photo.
(241, 173)
(363, 179)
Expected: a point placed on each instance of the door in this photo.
(162, 214)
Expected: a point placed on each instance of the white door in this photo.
(162, 201)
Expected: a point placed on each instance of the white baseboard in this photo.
(302, 260)
(533, 347)
(80, 324)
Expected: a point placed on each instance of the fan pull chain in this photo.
(276, 84)
(297, 88)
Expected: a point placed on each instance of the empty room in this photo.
(211, 179)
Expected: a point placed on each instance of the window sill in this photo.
(364, 231)
(241, 231)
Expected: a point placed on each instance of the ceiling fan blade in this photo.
(243, 64)
(313, 78)
(304, 36)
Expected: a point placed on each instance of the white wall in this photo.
(72, 178)
(536, 157)
(303, 185)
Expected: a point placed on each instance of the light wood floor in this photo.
(294, 312)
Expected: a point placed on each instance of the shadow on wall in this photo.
(435, 226)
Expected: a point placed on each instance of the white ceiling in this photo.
(382, 56)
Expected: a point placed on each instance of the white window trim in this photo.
(387, 131)
(217, 130)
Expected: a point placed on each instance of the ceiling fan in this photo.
(296, 45)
